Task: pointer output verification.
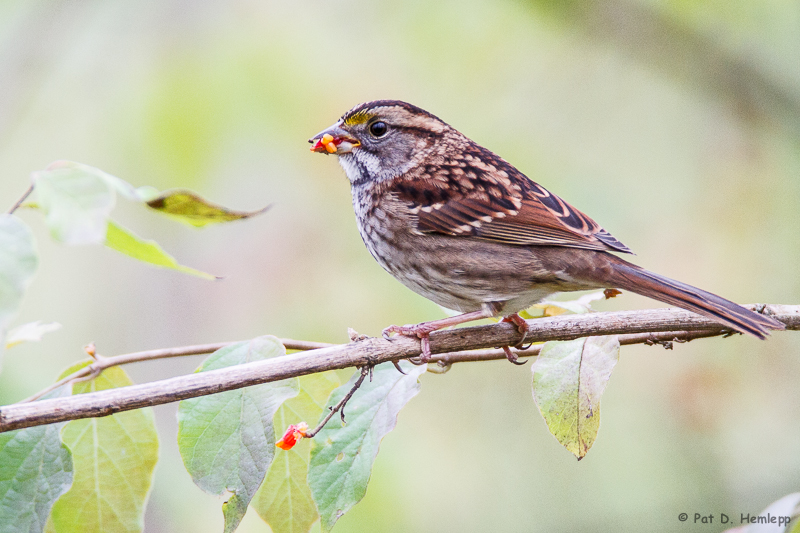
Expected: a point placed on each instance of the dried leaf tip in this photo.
(611, 293)
(293, 433)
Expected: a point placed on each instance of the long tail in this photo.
(636, 279)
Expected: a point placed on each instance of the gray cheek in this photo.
(379, 163)
(400, 156)
(395, 162)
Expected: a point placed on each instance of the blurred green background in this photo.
(675, 124)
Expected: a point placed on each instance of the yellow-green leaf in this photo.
(569, 378)
(113, 460)
(556, 307)
(284, 500)
(190, 208)
(124, 241)
(77, 200)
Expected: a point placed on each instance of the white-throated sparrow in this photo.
(461, 226)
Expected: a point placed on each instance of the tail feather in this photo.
(636, 279)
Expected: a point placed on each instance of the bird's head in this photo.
(380, 140)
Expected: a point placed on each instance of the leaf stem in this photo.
(22, 199)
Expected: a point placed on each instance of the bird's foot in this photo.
(422, 332)
(523, 328)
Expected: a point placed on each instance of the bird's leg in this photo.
(424, 329)
(522, 327)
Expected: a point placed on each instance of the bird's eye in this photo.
(378, 129)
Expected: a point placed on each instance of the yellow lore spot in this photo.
(358, 118)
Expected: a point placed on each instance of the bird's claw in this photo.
(420, 331)
(406, 330)
(522, 328)
(397, 366)
(425, 350)
(409, 330)
(511, 356)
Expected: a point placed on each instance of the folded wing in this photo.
(485, 197)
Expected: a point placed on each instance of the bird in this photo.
(464, 228)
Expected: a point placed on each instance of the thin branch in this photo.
(373, 351)
(664, 338)
(101, 363)
(365, 371)
(22, 199)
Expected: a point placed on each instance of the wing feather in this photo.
(499, 204)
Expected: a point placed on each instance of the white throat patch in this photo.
(354, 164)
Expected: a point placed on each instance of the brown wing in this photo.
(483, 196)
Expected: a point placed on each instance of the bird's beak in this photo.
(333, 140)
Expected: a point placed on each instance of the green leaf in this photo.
(114, 458)
(124, 241)
(30, 332)
(18, 262)
(569, 378)
(284, 500)
(342, 457)
(227, 440)
(35, 469)
(76, 200)
(194, 210)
